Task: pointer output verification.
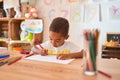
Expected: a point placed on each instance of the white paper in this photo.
(3, 51)
(49, 58)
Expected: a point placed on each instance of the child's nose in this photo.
(53, 43)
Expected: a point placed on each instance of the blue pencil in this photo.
(4, 56)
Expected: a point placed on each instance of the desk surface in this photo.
(38, 70)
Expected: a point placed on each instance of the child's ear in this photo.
(67, 37)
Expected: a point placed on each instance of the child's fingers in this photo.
(61, 56)
(58, 56)
(44, 52)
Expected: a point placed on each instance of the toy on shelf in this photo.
(33, 13)
(33, 25)
(11, 7)
(18, 12)
(25, 35)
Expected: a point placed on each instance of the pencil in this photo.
(30, 55)
(37, 42)
(3, 59)
(2, 63)
(17, 59)
(8, 61)
(41, 46)
(105, 74)
(4, 56)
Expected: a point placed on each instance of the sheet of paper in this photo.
(49, 58)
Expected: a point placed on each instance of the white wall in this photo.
(50, 9)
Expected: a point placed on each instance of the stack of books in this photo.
(3, 52)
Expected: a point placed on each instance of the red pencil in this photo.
(17, 59)
(37, 42)
(41, 46)
(29, 55)
(105, 74)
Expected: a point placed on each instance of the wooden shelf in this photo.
(12, 26)
(3, 39)
(111, 52)
(4, 19)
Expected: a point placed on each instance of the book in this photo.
(3, 52)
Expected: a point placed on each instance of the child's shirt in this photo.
(66, 48)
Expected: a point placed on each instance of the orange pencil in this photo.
(14, 60)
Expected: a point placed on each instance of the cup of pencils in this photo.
(90, 51)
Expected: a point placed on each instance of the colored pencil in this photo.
(41, 46)
(4, 56)
(3, 59)
(105, 74)
(7, 61)
(2, 63)
(37, 42)
(30, 55)
(15, 60)
(92, 52)
(91, 45)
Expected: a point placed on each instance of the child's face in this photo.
(57, 39)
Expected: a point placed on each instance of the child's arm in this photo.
(70, 56)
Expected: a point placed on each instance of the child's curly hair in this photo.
(60, 25)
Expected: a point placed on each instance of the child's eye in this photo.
(51, 39)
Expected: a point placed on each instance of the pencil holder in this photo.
(90, 52)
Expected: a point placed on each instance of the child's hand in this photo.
(44, 52)
(63, 56)
(41, 51)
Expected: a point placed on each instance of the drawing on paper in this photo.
(92, 13)
(114, 12)
(76, 13)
